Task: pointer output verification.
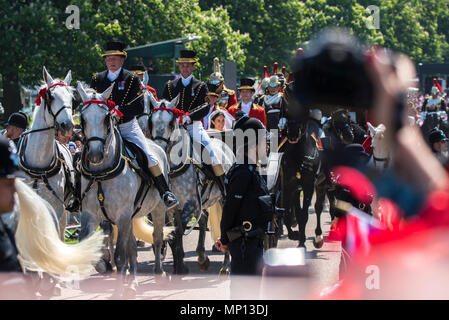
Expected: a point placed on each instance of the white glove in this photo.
(282, 123)
(186, 120)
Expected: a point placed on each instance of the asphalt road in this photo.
(197, 285)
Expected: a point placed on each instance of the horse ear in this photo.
(68, 78)
(105, 95)
(174, 102)
(146, 78)
(372, 130)
(82, 92)
(47, 77)
(153, 100)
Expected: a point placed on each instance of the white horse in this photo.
(143, 118)
(110, 184)
(190, 184)
(381, 149)
(47, 162)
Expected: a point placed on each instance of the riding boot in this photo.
(75, 202)
(219, 178)
(161, 184)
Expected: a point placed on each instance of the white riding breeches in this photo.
(197, 132)
(132, 132)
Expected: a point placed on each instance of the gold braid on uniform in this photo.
(127, 91)
(196, 96)
(169, 91)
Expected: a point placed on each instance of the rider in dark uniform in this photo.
(8, 167)
(127, 96)
(248, 207)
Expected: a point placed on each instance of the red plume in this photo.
(290, 77)
(299, 52)
(436, 84)
(265, 72)
(284, 71)
(275, 68)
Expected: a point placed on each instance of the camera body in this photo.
(332, 72)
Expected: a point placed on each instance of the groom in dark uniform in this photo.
(127, 96)
(192, 92)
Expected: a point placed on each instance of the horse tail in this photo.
(215, 213)
(144, 231)
(39, 244)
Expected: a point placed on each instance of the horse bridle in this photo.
(47, 100)
(167, 141)
(107, 120)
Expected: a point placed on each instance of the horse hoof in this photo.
(301, 245)
(204, 266)
(318, 242)
(224, 273)
(294, 235)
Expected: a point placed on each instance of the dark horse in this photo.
(338, 133)
(434, 120)
(300, 165)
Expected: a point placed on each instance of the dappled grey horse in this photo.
(110, 183)
(47, 163)
(195, 190)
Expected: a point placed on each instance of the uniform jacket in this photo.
(256, 112)
(243, 187)
(191, 97)
(126, 90)
(8, 250)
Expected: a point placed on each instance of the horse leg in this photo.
(131, 281)
(319, 203)
(302, 217)
(307, 200)
(158, 240)
(203, 259)
(331, 197)
(225, 269)
(289, 205)
(176, 244)
(62, 224)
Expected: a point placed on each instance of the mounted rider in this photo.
(127, 95)
(435, 102)
(273, 101)
(226, 97)
(191, 95)
(246, 104)
(140, 71)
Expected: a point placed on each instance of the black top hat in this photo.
(187, 56)
(137, 69)
(247, 84)
(115, 48)
(19, 120)
(212, 88)
(436, 136)
(8, 159)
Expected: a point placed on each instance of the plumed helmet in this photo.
(216, 77)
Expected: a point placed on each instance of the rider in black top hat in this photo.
(127, 95)
(8, 169)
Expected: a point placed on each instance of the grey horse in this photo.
(187, 181)
(110, 196)
(47, 163)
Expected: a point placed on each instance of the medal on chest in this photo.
(121, 85)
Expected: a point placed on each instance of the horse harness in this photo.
(124, 155)
(58, 161)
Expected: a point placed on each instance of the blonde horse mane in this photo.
(39, 245)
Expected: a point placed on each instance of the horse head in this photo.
(379, 143)
(145, 116)
(58, 102)
(96, 122)
(163, 121)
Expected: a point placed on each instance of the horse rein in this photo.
(110, 108)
